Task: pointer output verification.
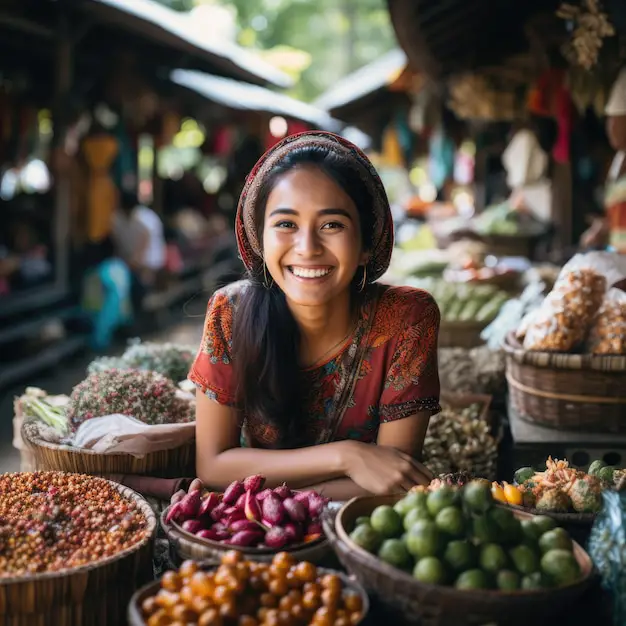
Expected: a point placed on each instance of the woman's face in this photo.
(311, 237)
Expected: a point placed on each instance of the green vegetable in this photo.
(34, 404)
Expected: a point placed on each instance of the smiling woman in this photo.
(309, 361)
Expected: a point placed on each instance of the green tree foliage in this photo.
(338, 35)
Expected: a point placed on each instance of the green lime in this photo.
(531, 531)
(492, 558)
(394, 552)
(484, 529)
(477, 496)
(386, 521)
(535, 581)
(414, 515)
(366, 537)
(472, 579)
(523, 474)
(423, 539)
(451, 521)
(595, 467)
(561, 566)
(508, 580)
(430, 570)
(412, 500)
(362, 520)
(544, 523)
(440, 499)
(509, 527)
(556, 539)
(525, 559)
(459, 555)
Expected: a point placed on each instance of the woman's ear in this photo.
(365, 257)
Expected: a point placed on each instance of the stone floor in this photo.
(69, 373)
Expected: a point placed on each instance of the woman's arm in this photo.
(380, 469)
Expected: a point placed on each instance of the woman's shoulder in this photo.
(223, 304)
(400, 308)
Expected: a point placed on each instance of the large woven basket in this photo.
(91, 595)
(135, 617)
(171, 463)
(184, 545)
(408, 601)
(577, 392)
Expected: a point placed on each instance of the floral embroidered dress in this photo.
(386, 371)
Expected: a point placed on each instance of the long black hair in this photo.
(265, 334)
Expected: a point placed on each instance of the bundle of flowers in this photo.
(144, 395)
(171, 360)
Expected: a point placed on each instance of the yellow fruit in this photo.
(512, 494)
(498, 493)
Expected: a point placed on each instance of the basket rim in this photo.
(392, 571)
(126, 492)
(351, 584)
(216, 545)
(607, 363)
(581, 519)
(34, 442)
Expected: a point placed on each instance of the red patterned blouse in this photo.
(386, 371)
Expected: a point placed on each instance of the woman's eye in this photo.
(333, 225)
(284, 224)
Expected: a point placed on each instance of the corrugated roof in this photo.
(364, 82)
(243, 96)
(173, 28)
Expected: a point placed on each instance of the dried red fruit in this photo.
(273, 510)
(208, 503)
(295, 510)
(190, 505)
(276, 537)
(232, 493)
(283, 491)
(246, 538)
(252, 508)
(254, 483)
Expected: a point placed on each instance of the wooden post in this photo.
(63, 84)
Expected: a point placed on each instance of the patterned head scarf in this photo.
(250, 248)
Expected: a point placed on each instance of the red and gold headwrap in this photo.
(250, 248)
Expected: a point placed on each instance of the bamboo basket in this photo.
(96, 594)
(184, 545)
(408, 601)
(170, 463)
(461, 334)
(575, 392)
(135, 617)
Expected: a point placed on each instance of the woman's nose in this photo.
(308, 242)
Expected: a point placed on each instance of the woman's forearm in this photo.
(298, 468)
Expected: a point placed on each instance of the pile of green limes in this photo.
(459, 537)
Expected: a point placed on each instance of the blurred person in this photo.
(138, 235)
(106, 297)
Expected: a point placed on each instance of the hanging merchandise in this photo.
(405, 135)
(392, 151)
(125, 165)
(441, 158)
(473, 97)
(99, 151)
(170, 125)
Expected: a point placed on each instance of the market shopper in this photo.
(309, 361)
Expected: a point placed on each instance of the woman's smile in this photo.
(310, 273)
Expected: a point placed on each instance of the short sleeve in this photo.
(412, 381)
(212, 369)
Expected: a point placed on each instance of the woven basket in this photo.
(96, 594)
(576, 392)
(184, 545)
(170, 463)
(408, 601)
(461, 334)
(135, 617)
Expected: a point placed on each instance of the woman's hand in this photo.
(383, 469)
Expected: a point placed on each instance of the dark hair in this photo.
(265, 333)
(128, 200)
(96, 253)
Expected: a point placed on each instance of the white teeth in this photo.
(308, 273)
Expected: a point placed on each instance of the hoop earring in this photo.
(267, 284)
(364, 280)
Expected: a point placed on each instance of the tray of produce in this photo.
(72, 548)
(560, 491)
(257, 521)
(453, 556)
(241, 592)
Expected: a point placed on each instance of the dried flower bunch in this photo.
(591, 26)
(171, 360)
(144, 395)
(52, 521)
(459, 441)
